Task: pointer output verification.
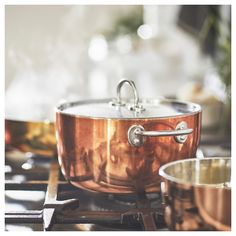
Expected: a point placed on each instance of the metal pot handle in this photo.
(137, 134)
(118, 102)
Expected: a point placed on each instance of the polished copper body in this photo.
(94, 153)
(35, 137)
(202, 200)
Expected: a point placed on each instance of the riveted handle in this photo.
(137, 134)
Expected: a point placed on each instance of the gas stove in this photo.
(64, 204)
(39, 198)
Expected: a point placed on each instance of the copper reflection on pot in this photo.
(95, 154)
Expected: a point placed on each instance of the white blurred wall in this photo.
(58, 52)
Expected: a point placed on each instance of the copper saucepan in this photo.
(197, 194)
(37, 137)
(117, 146)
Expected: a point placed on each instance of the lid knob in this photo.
(136, 107)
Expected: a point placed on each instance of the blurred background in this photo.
(58, 53)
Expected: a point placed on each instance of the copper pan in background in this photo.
(197, 194)
(118, 146)
(36, 137)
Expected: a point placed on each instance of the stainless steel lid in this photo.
(134, 108)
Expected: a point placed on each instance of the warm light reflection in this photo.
(98, 48)
(8, 169)
(33, 196)
(145, 31)
(98, 83)
(17, 228)
(124, 44)
(27, 166)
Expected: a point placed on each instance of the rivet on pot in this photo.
(135, 139)
(181, 138)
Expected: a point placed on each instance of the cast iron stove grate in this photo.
(65, 204)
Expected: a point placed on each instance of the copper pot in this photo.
(36, 137)
(117, 146)
(197, 194)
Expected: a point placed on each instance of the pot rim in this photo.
(170, 178)
(61, 107)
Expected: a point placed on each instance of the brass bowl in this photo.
(29, 136)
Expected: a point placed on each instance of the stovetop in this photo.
(38, 198)
(75, 209)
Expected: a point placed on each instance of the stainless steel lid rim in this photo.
(190, 109)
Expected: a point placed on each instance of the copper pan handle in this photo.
(137, 134)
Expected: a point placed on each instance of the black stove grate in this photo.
(65, 204)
